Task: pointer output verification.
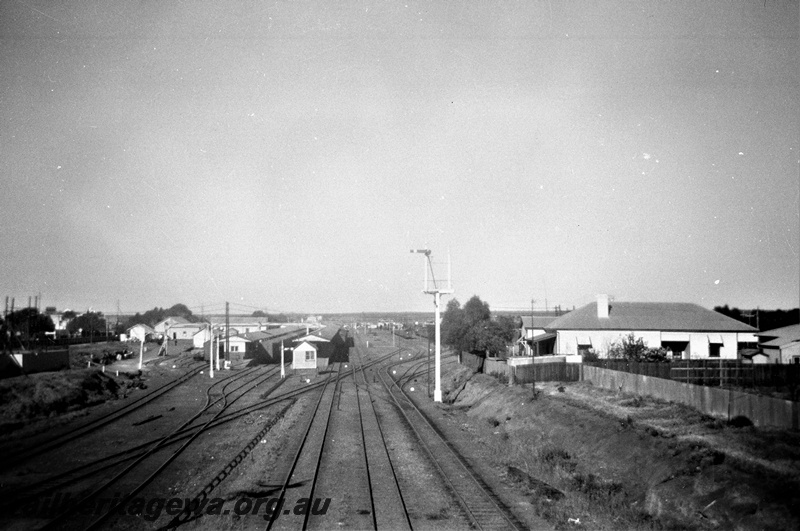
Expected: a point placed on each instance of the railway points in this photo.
(342, 437)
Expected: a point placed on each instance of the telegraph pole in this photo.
(533, 353)
(141, 350)
(210, 351)
(283, 367)
(227, 335)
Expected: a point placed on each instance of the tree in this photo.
(453, 327)
(29, 323)
(631, 348)
(88, 324)
(23, 326)
(476, 311)
(180, 310)
(156, 315)
(472, 328)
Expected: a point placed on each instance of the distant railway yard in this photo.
(358, 444)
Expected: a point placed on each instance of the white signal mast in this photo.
(431, 287)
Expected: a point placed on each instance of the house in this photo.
(754, 357)
(59, 321)
(533, 335)
(139, 332)
(239, 324)
(304, 356)
(184, 330)
(781, 345)
(687, 330)
(331, 343)
(202, 336)
(162, 326)
(237, 347)
(266, 345)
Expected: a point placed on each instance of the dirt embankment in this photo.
(600, 460)
(26, 398)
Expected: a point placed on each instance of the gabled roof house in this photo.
(533, 335)
(689, 331)
(139, 332)
(782, 345)
(162, 326)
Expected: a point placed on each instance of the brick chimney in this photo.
(602, 306)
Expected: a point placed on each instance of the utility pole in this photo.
(533, 353)
(28, 324)
(141, 350)
(283, 366)
(6, 338)
(216, 352)
(210, 351)
(227, 336)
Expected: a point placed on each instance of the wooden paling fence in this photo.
(540, 372)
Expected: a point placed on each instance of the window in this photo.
(309, 355)
(584, 344)
(676, 348)
(713, 350)
(234, 349)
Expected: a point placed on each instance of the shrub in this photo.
(631, 348)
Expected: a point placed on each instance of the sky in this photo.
(286, 156)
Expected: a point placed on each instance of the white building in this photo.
(781, 345)
(304, 356)
(139, 332)
(238, 324)
(184, 330)
(162, 326)
(687, 330)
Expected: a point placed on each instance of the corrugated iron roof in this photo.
(538, 321)
(779, 342)
(328, 332)
(672, 316)
(258, 336)
(146, 327)
(791, 331)
(173, 320)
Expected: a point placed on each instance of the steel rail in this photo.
(296, 459)
(482, 507)
(115, 459)
(384, 445)
(157, 446)
(13, 459)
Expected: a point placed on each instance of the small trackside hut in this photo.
(304, 356)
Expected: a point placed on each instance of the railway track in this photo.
(112, 461)
(392, 512)
(306, 461)
(480, 504)
(98, 482)
(12, 459)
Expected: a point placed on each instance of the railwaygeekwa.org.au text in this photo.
(152, 509)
